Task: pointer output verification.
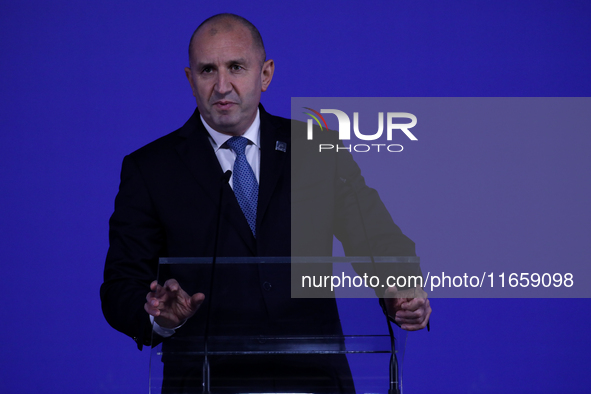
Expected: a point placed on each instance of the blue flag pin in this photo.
(280, 145)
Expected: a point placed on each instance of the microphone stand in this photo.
(206, 377)
(394, 387)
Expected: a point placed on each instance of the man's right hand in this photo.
(170, 304)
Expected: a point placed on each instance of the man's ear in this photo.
(267, 74)
(190, 78)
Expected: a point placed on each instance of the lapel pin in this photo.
(280, 145)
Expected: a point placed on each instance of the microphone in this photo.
(206, 381)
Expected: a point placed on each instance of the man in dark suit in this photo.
(167, 207)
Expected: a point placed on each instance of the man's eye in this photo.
(207, 70)
(236, 67)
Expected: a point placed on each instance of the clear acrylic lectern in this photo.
(303, 347)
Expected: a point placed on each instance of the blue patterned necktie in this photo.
(244, 182)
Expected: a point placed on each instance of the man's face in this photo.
(227, 76)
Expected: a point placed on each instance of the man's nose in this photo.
(223, 84)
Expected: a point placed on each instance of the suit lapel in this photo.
(272, 161)
(196, 152)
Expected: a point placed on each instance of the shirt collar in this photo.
(252, 134)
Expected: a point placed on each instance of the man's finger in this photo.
(413, 304)
(407, 314)
(154, 285)
(152, 311)
(153, 302)
(408, 317)
(157, 292)
(420, 323)
(197, 300)
(172, 285)
(413, 324)
(414, 327)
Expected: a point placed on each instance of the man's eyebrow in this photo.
(202, 65)
(239, 61)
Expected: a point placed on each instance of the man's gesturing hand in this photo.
(170, 305)
(410, 308)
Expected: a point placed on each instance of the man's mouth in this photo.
(223, 105)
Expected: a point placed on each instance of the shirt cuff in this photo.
(162, 331)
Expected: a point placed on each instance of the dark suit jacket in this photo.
(167, 206)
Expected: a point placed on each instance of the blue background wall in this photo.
(84, 83)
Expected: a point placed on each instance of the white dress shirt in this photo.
(226, 156)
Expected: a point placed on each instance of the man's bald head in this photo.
(227, 22)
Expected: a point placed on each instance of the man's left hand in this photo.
(410, 308)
